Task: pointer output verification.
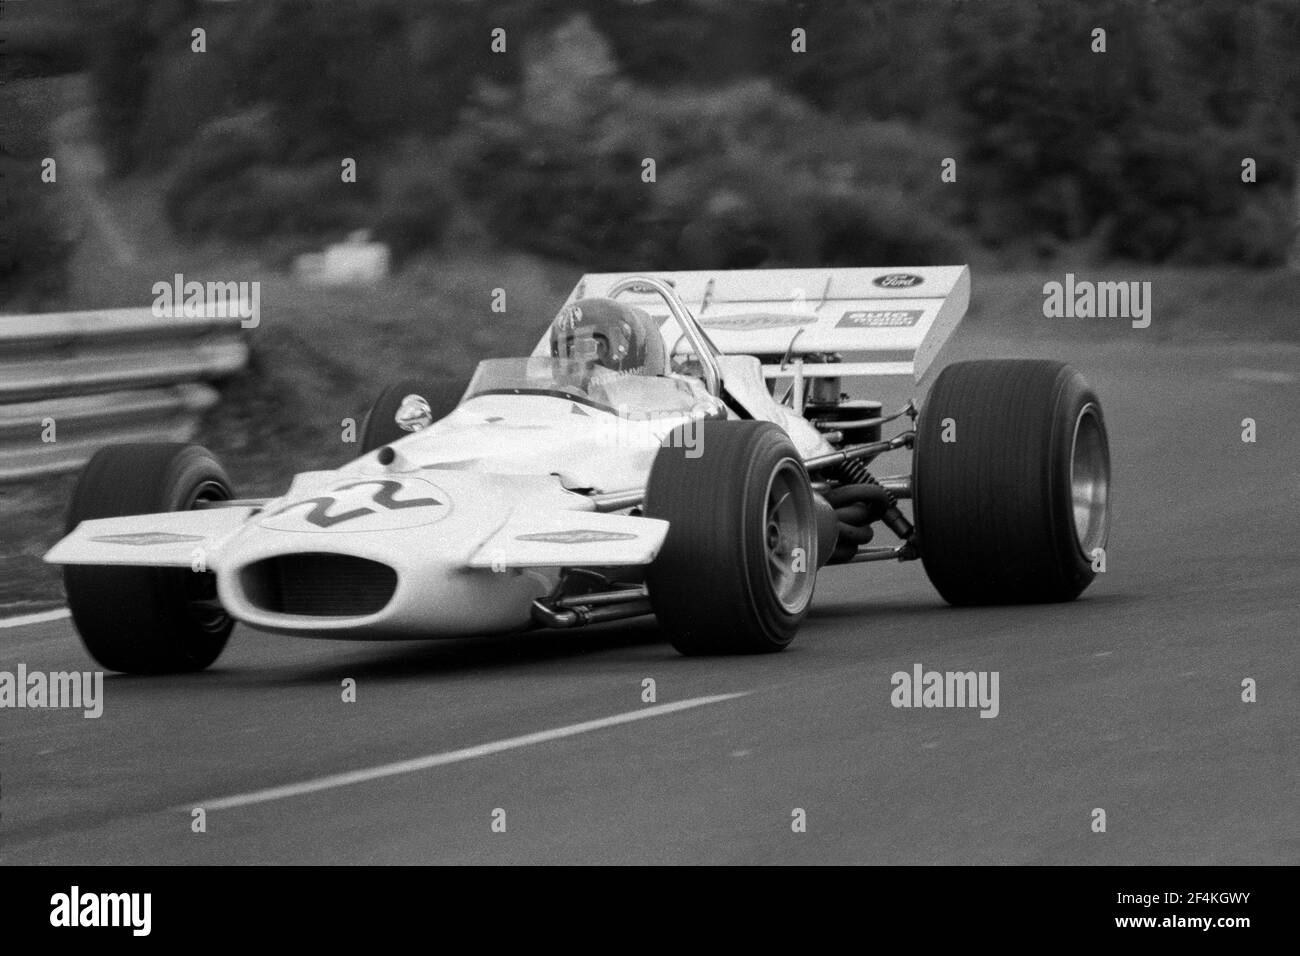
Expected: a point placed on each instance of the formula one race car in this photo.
(697, 462)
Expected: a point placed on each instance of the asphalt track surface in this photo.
(1127, 700)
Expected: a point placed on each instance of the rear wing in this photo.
(877, 321)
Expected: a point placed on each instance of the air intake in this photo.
(319, 585)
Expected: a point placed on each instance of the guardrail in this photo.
(72, 382)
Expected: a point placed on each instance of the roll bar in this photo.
(705, 349)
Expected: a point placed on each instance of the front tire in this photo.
(147, 620)
(739, 564)
(1011, 482)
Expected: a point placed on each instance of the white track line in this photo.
(42, 617)
(452, 756)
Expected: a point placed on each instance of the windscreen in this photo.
(584, 382)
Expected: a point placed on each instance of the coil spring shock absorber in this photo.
(855, 472)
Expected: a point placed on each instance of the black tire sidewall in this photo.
(138, 619)
(709, 586)
(970, 545)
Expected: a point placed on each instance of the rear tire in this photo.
(147, 620)
(729, 579)
(1010, 511)
(380, 429)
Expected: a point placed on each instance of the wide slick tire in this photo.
(1011, 482)
(141, 620)
(380, 429)
(738, 567)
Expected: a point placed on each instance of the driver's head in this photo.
(610, 333)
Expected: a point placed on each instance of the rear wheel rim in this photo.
(788, 537)
(1089, 480)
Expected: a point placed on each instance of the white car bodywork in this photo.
(478, 513)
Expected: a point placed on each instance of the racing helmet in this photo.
(612, 334)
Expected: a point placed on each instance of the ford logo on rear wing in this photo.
(897, 280)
